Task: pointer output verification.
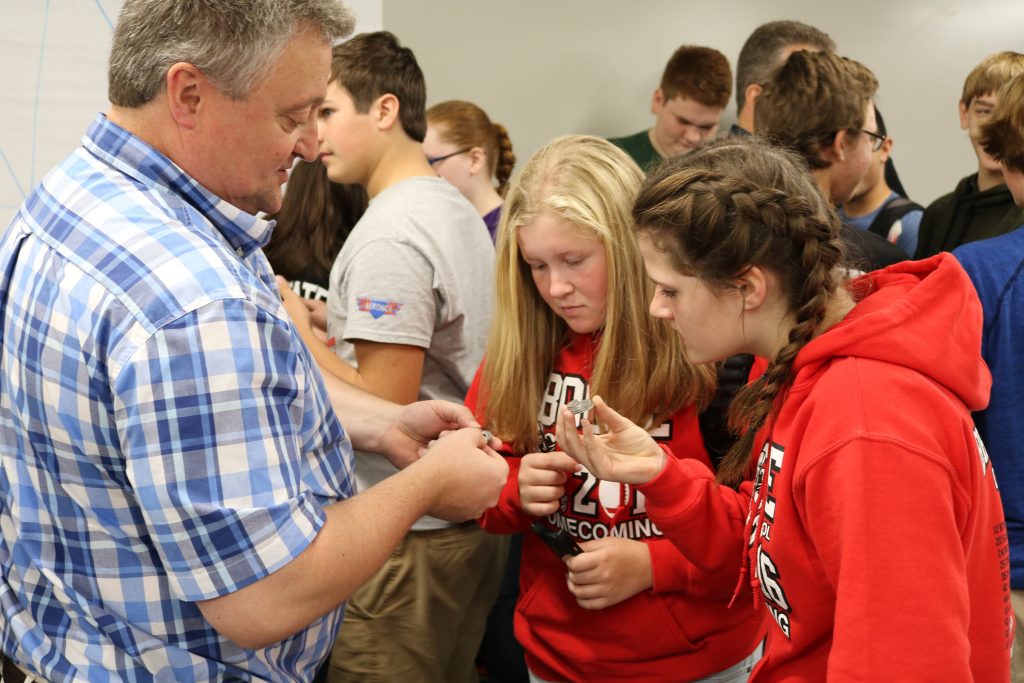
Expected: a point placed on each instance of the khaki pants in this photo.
(1017, 659)
(422, 616)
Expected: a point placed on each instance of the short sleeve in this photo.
(389, 294)
(219, 421)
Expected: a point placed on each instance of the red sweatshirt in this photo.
(680, 630)
(876, 531)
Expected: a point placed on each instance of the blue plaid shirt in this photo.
(165, 437)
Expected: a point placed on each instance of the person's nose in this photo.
(308, 144)
(560, 284)
(658, 310)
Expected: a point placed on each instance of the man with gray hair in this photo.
(176, 497)
(768, 48)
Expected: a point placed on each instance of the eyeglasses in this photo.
(434, 161)
(877, 140)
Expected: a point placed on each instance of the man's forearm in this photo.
(364, 416)
(356, 539)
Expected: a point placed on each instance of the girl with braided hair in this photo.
(570, 318)
(472, 153)
(874, 535)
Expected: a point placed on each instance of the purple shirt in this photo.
(491, 220)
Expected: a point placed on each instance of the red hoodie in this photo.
(680, 630)
(876, 533)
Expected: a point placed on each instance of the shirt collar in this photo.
(136, 158)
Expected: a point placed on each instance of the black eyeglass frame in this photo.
(433, 161)
(877, 139)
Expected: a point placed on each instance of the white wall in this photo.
(542, 67)
(545, 68)
(54, 81)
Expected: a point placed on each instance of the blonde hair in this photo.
(740, 202)
(1002, 136)
(639, 367)
(991, 74)
(464, 124)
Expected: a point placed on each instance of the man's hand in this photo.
(469, 475)
(413, 427)
(608, 571)
(625, 453)
(542, 478)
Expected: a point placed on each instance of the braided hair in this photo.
(736, 203)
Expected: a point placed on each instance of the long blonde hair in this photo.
(639, 368)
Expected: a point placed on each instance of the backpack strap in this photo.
(893, 210)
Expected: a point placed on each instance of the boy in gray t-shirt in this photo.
(409, 306)
(416, 271)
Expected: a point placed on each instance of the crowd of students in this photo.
(676, 406)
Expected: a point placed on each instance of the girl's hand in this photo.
(625, 453)
(542, 479)
(608, 571)
(317, 317)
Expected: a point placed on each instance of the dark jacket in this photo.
(965, 215)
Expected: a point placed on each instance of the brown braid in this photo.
(504, 160)
(736, 203)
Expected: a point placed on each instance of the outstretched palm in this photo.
(625, 452)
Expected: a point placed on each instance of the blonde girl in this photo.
(570, 320)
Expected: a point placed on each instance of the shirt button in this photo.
(239, 252)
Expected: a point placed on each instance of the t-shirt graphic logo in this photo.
(378, 307)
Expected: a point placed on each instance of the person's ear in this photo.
(751, 93)
(752, 284)
(477, 160)
(885, 150)
(835, 151)
(185, 86)
(964, 121)
(657, 101)
(386, 111)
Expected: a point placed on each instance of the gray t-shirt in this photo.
(416, 269)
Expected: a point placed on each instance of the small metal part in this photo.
(487, 436)
(579, 406)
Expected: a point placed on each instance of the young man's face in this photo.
(346, 137)
(847, 172)
(1015, 182)
(876, 169)
(681, 123)
(248, 146)
(972, 116)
